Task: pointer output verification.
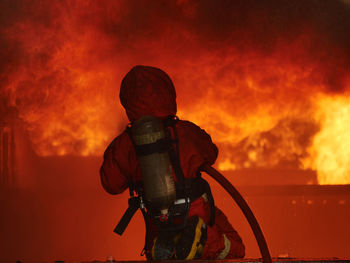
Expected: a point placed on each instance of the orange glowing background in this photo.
(269, 80)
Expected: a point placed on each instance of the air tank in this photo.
(156, 170)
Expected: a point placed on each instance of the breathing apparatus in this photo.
(151, 146)
(160, 197)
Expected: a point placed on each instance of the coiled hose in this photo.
(264, 250)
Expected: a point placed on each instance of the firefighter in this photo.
(200, 230)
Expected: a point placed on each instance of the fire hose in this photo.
(237, 197)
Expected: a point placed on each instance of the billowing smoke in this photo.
(248, 72)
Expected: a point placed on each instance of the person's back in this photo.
(149, 91)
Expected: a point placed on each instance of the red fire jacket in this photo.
(150, 91)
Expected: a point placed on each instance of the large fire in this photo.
(330, 150)
(269, 82)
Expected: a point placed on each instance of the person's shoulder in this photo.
(190, 126)
(187, 123)
(119, 140)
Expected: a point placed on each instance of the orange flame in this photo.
(249, 77)
(330, 150)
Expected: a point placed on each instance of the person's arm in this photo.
(112, 178)
(205, 146)
(196, 148)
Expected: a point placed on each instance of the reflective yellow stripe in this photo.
(196, 240)
(154, 244)
(226, 250)
(205, 197)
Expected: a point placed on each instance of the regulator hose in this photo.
(264, 250)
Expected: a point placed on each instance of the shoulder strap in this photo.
(187, 186)
(174, 153)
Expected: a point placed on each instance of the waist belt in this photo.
(198, 187)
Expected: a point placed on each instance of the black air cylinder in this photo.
(158, 182)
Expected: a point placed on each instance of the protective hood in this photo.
(147, 91)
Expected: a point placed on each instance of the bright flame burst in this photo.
(330, 151)
(247, 76)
